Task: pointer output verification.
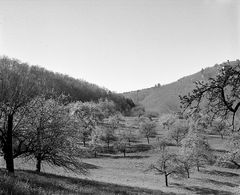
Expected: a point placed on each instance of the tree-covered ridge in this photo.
(76, 89)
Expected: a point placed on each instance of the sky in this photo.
(122, 45)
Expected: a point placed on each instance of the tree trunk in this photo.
(148, 140)
(124, 153)
(222, 136)
(188, 175)
(9, 148)
(233, 119)
(108, 143)
(166, 179)
(198, 168)
(84, 141)
(95, 154)
(39, 148)
(235, 163)
(177, 142)
(39, 161)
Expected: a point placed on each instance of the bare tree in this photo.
(18, 87)
(166, 164)
(51, 135)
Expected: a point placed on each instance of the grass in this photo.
(114, 174)
(29, 182)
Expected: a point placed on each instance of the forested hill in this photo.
(76, 89)
(165, 99)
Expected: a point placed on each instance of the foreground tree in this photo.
(18, 86)
(166, 164)
(221, 94)
(51, 135)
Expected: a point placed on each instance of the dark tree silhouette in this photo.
(220, 94)
(18, 85)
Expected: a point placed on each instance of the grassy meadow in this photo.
(114, 174)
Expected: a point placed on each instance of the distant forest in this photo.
(75, 89)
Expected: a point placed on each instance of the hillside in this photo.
(165, 99)
(45, 80)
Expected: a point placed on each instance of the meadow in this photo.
(115, 174)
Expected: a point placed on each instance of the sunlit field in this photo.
(131, 171)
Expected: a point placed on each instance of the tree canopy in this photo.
(219, 96)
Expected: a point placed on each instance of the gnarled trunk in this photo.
(9, 147)
(108, 144)
(84, 141)
(39, 162)
(166, 179)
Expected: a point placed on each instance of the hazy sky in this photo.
(122, 45)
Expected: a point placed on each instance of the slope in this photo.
(165, 99)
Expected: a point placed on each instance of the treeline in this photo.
(80, 90)
(35, 113)
(75, 89)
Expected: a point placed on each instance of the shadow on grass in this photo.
(218, 150)
(229, 184)
(131, 157)
(202, 190)
(121, 156)
(90, 166)
(220, 173)
(56, 184)
(26, 182)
